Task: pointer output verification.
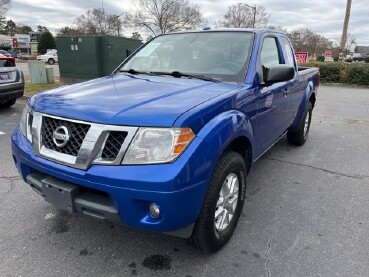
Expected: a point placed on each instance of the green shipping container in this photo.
(89, 57)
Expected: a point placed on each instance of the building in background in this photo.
(363, 50)
(22, 40)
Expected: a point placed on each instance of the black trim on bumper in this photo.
(72, 198)
(10, 95)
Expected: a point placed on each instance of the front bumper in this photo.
(178, 188)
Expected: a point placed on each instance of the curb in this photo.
(343, 85)
(25, 97)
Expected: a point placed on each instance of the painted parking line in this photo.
(2, 133)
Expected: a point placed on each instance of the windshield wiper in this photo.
(178, 74)
(135, 72)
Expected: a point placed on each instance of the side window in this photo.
(288, 55)
(269, 55)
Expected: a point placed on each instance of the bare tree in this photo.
(349, 43)
(137, 35)
(5, 5)
(241, 15)
(163, 16)
(68, 31)
(98, 22)
(304, 39)
(278, 28)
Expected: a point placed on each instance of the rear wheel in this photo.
(222, 205)
(8, 104)
(51, 61)
(300, 135)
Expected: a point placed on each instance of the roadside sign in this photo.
(15, 42)
(301, 57)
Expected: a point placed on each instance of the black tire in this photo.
(300, 135)
(51, 61)
(8, 104)
(205, 235)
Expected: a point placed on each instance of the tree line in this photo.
(155, 17)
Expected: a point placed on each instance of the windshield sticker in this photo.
(195, 55)
(147, 51)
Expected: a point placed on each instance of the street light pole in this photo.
(118, 27)
(254, 8)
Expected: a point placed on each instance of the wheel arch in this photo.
(312, 99)
(242, 146)
(309, 95)
(231, 130)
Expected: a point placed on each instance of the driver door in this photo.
(273, 116)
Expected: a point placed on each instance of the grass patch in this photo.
(30, 89)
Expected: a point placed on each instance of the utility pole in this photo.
(345, 25)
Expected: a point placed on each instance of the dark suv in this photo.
(11, 82)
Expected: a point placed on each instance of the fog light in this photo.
(154, 210)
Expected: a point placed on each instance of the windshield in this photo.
(223, 56)
(51, 53)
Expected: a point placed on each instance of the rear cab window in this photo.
(289, 58)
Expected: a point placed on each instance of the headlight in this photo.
(158, 145)
(26, 123)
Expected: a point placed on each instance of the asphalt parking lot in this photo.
(306, 213)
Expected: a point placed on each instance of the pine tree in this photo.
(46, 41)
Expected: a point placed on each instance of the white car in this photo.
(50, 57)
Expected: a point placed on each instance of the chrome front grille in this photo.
(82, 143)
(78, 132)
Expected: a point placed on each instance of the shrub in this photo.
(336, 59)
(330, 72)
(357, 74)
(349, 60)
(313, 64)
(367, 59)
(320, 58)
(349, 73)
(343, 72)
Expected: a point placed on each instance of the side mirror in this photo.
(280, 73)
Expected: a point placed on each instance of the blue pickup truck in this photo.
(165, 143)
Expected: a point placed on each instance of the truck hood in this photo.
(138, 100)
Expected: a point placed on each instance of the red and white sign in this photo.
(328, 54)
(301, 57)
(15, 42)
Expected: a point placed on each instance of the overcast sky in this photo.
(324, 17)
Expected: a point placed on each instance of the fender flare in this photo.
(309, 90)
(223, 129)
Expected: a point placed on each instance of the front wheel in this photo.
(222, 205)
(299, 136)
